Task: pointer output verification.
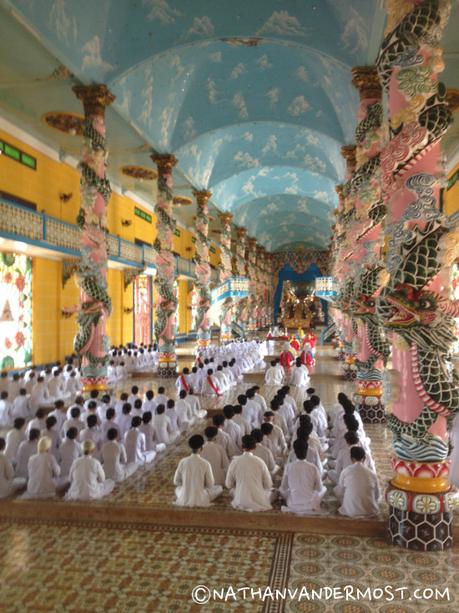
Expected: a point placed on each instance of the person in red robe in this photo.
(294, 344)
(306, 356)
(286, 358)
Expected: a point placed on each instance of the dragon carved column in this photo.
(413, 306)
(91, 342)
(166, 301)
(202, 265)
(251, 256)
(225, 274)
(240, 313)
(372, 348)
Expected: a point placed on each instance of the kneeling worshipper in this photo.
(358, 488)
(249, 479)
(216, 455)
(87, 477)
(301, 485)
(194, 481)
(8, 483)
(116, 466)
(43, 472)
(136, 444)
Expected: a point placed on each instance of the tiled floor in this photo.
(75, 566)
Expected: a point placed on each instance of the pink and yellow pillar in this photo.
(91, 342)
(166, 300)
(202, 265)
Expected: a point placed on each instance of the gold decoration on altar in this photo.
(296, 312)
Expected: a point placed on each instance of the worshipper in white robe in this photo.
(358, 488)
(250, 408)
(14, 386)
(351, 423)
(39, 395)
(25, 451)
(116, 466)
(223, 438)
(134, 395)
(87, 477)
(136, 445)
(183, 381)
(239, 419)
(264, 452)
(73, 422)
(21, 406)
(249, 479)
(108, 423)
(55, 386)
(14, 438)
(43, 472)
(149, 402)
(222, 380)
(53, 433)
(303, 433)
(163, 428)
(6, 411)
(8, 483)
(124, 421)
(299, 382)
(211, 385)
(274, 377)
(301, 485)
(161, 397)
(119, 404)
(277, 435)
(194, 481)
(92, 432)
(60, 413)
(183, 410)
(278, 417)
(196, 411)
(260, 400)
(69, 451)
(148, 431)
(72, 385)
(231, 427)
(344, 457)
(215, 455)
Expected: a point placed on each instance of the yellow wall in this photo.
(451, 196)
(52, 334)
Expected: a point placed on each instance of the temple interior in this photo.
(229, 306)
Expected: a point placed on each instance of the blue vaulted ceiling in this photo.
(254, 98)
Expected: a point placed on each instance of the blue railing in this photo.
(26, 225)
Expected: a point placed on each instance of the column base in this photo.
(422, 522)
(94, 383)
(167, 371)
(350, 375)
(371, 413)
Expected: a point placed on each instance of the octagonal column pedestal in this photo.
(202, 266)
(91, 342)
(224, 275)
(166, 299)
(421, 505)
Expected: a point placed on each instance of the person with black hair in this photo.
(193, 479)
(136, 445)
(263, 452)
(358, 488)
(8, 483)
(92, 433)
(25, 451)
(249, 479)
(69, 451)
(223, 438)
(215, 455)
(301, 486)
(116, 466)
(14, 438)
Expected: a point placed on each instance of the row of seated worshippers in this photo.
(248, 354)
(115, 437)
(124, 361)
(23, 393)
(247, 445)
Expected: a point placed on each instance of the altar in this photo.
(299, 308)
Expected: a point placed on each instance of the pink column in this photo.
(91, 342)
(225, 274)
(166, 300)
(203, 265)
(413, 304)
